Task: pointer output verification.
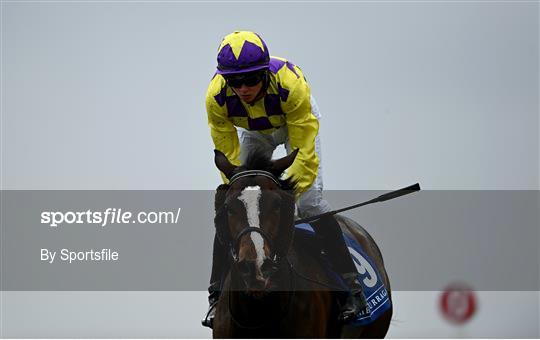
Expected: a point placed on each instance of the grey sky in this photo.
(111, 95)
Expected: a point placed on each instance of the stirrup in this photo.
(208, 320)
(353, 306)
(355, 302)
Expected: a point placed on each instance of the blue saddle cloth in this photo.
(373, 286)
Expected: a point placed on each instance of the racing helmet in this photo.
(241, 52)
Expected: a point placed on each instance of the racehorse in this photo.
(275, 286)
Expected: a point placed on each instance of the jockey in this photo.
(257, 102)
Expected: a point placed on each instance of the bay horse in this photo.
(274, 286)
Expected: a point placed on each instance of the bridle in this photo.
(252, 173)
(275, 258)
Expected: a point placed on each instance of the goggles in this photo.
(248, 79)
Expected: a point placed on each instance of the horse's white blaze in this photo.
(250, 197)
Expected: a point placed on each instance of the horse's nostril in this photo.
(245, 267)
(268, 268)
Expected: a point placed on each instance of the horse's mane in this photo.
(257, 160)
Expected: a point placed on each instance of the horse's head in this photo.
(255, 217)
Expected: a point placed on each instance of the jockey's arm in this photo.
(223, 133)
(302, 127)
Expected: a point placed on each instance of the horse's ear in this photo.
(280, 165)
(223, 164)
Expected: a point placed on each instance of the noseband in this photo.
(275, 257)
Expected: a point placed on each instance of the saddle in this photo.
(307, 243)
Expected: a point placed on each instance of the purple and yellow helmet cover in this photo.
(242, 51)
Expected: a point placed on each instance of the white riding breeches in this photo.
(311, 202)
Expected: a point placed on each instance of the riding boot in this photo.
(340, 258)
(219, 265)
